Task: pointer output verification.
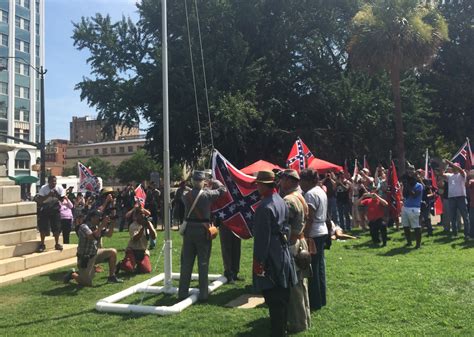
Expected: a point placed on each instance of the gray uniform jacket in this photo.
(202, 211)
(271, 221)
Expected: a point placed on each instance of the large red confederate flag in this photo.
(300, 156)
(237, 206)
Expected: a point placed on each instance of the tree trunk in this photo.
(399, 137)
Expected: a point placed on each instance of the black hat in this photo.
(92, 213)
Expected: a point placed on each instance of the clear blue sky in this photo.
(66, 65)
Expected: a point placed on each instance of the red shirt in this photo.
(375, 209)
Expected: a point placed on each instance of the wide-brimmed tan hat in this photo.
(107, 190)
(291, 174)
(265, 177)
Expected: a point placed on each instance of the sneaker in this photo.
(68, 277)
(114, 279)
(58, 247)
(41, 248)
(238, 278)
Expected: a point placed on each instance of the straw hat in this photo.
(265, 177)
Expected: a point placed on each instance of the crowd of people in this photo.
(299, 215)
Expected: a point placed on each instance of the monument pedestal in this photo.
(19, 239)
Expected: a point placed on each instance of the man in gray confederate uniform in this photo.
(196, 240)
(299, 313)
(273, 267)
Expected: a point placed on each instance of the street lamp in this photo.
(42, 144)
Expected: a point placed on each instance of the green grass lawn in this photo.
(371, 291)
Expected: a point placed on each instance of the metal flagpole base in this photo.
(109, 304)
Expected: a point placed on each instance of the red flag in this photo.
(140, 195)
(438, 206)
(394, 192)
(300, 156)
(237, 206)
(366, 164)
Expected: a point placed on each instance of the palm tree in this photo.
(395, 36)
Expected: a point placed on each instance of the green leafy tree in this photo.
(101, 168)
(137, 168)
(394, 36)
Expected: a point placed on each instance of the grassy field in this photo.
(391, 291)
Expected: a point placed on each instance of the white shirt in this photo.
(45, 189)
(318, 201)
(457, 185)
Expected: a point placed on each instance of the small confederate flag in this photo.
(394, 192)
(140, 195)
(438, 206)
(88, 182)
(237, 206)
(300, 156)
(464, 156)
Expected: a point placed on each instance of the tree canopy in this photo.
(275, 70)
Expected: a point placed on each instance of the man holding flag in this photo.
(457, 197)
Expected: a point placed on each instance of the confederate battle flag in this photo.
(236, 208)
(140, 195)
(88, 182)
(300, 156)
(464, 156)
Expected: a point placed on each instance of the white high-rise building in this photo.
(21, 52)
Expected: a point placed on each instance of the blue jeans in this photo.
(459, 204)
(344, 210)
(332, 210)
(317, 283)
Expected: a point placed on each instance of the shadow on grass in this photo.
(259, 327)
(445, 239)
(47, 319)
(397, 251)
(463, 245)
(362, 245)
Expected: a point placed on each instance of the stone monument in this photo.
(19, 238)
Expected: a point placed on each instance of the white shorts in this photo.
(411, 217)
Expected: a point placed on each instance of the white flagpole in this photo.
(426, 164)
(166, 149)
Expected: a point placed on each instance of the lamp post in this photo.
(42, 144)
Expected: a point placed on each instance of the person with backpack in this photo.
(48, 217)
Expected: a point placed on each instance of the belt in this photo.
(198, 220)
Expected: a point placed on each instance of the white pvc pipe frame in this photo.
(108, 304)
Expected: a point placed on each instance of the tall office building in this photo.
(21, 45)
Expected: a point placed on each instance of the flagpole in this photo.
(426, 163)
(166, 150)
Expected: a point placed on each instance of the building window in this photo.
(37, 28)
(112, 150)
(96, 151)
(22, 160)
(121, 149)
(22, 23)
(37, 95)
(79, 152)
(26, 116)
(88, 152)
(17, 114)
(130, 149)
(104, 150)
(3, 110)
(3, 16)
(4, 40)
(37, 50)
(22, 68)
(16, 135)
(4, 88)
(22, 92)
(37, 117)
(23, 3)
(22, 46)
(26, 134)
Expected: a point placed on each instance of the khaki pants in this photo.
(87, 274)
